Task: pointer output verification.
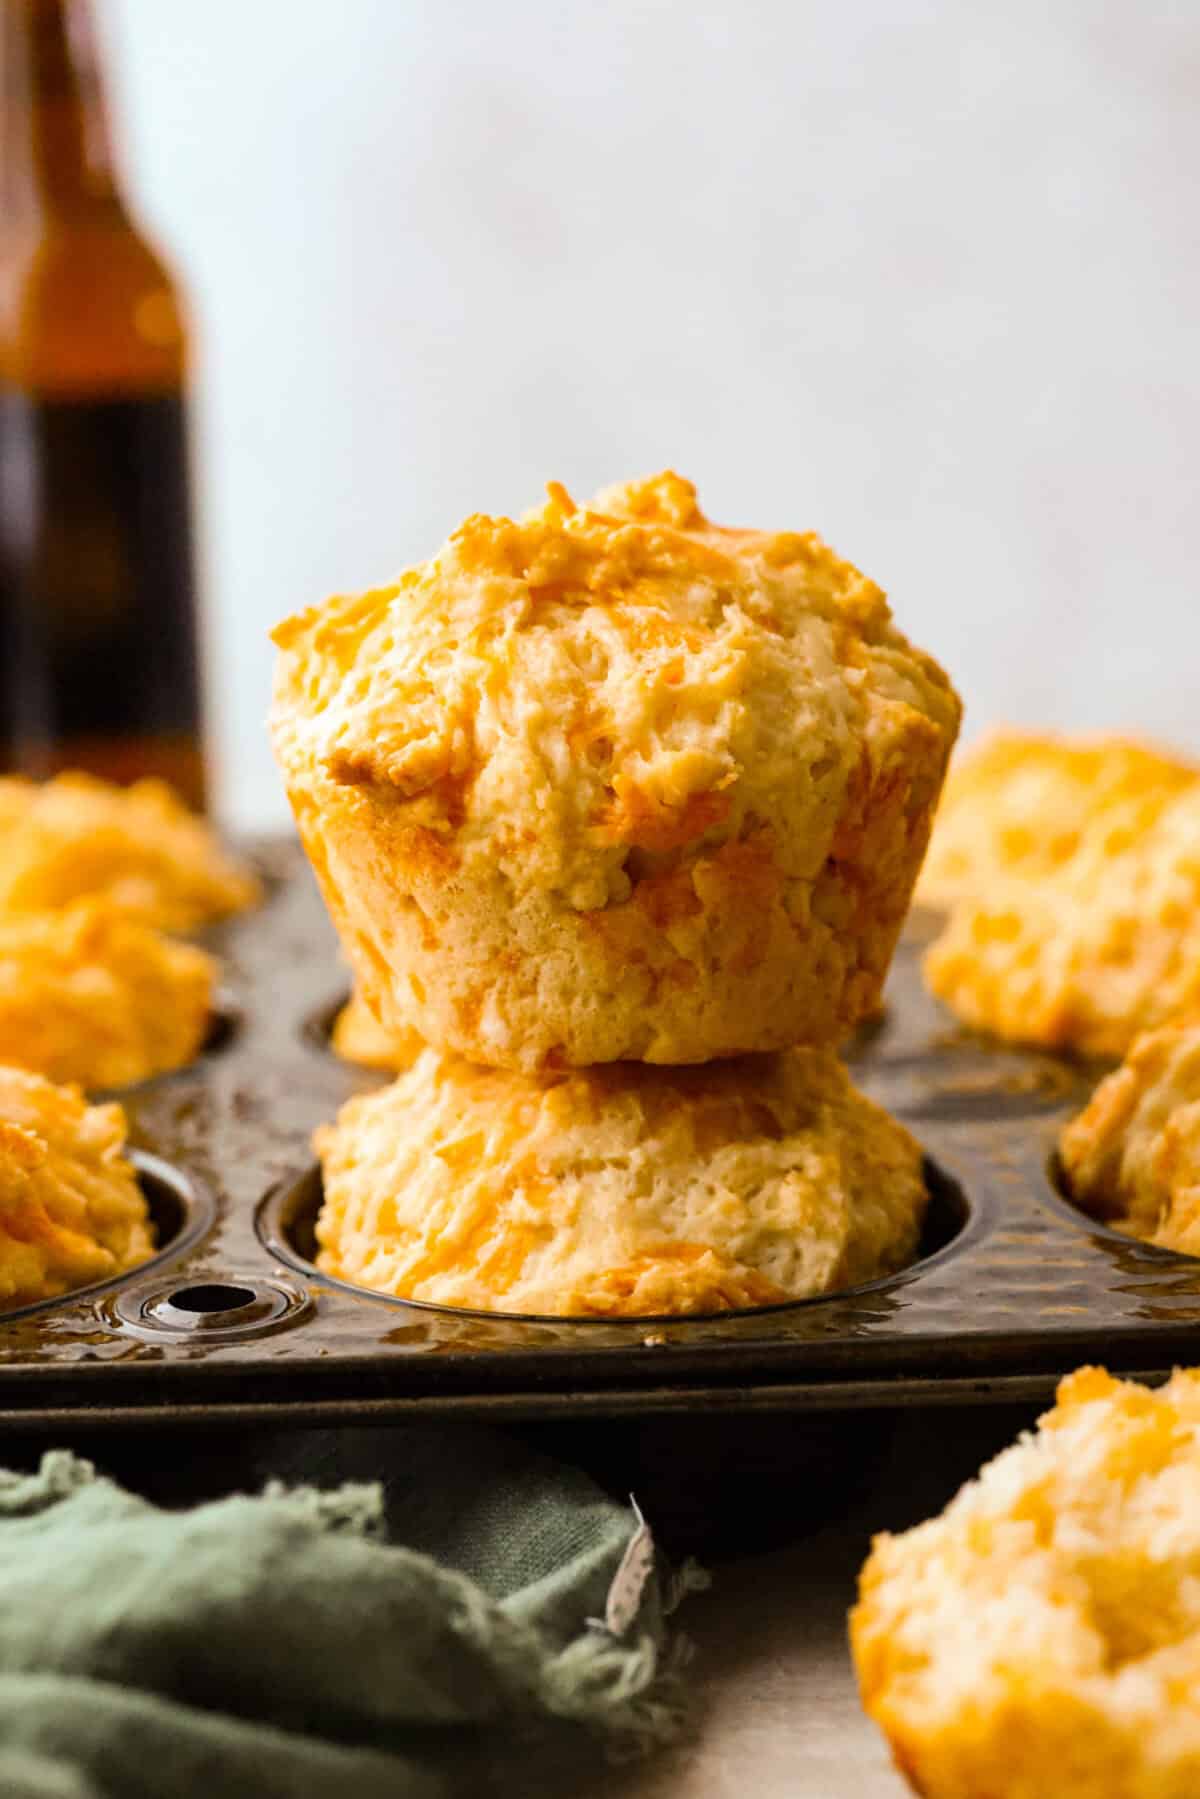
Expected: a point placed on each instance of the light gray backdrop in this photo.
(925, 277)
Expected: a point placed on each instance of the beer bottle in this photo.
(98, 634)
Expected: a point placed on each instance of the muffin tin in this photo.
(231, 1320)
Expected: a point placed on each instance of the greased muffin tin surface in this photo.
(1013, 1289)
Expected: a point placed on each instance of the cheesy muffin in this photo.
(90, 995)
(1132, 1157)
(139, 847)
(614, 783)
(358, 1036)
(71, 1210)
(1105, 949)
(1043, 1635)
(1020, 803)
(619, 1191)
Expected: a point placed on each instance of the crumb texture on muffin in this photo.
(71, 1210)
(139, 847)
(611, 782)
(1021, 802)
(1042, 1636)
(1132, 1156)
(621, 1190)
(1083, 949)
(88, 994)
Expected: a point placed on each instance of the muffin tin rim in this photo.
(1057, 1194)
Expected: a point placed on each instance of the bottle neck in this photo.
(57, 139)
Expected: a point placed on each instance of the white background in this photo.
(925, 277)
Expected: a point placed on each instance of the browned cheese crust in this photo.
(71, 1210)
(613, 783)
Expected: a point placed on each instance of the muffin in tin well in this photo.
(1086, 959)
(614, 783)
(618, 1191)
(71, 1210)
(89, 994)
(1132, 1156)
(1020, 803)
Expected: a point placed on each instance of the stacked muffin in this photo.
(592, 796)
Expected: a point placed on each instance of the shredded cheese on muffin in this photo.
(71, 1210)
(611, 782)
(617, 1191)
(88, 994)
(138, 847)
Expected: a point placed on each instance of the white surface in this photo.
(777, 1713)
(923, 274)
(779, 1716)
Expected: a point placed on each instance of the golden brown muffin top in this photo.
(89, 994)
(1021, 803)
(71, 1210)
(139, 847)
(1086, 959)
(582, 695)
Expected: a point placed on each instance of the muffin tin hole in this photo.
(212, 1296)
(242, 1306)
(287, 1218)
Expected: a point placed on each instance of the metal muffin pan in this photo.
(231, 1320)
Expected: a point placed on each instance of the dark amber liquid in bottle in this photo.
(98, 631)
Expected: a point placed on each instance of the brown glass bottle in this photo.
(98, 633)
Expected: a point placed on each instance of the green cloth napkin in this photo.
(279, 1646)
